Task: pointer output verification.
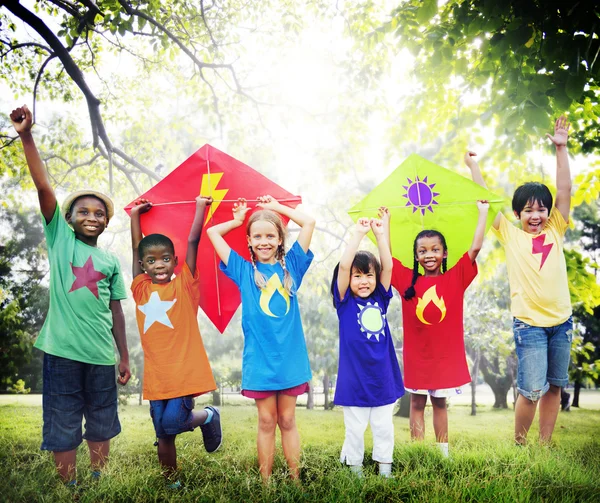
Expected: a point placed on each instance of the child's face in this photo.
(533, 217)
(159, 263)
(88, 218)
(363, 284)
(430, 253)
(264, 241)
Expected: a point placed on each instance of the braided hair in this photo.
(410, 291)
(364, 262)
(259, 278)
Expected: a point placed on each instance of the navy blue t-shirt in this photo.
(368, 371)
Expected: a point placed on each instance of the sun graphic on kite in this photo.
(371, 320)
(420, 195)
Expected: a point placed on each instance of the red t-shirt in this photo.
(434, 346)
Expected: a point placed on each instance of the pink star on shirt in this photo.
(86, 276)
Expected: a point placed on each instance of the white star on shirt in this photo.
(156, 310)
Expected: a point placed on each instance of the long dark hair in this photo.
(410, 291)
(363, 262)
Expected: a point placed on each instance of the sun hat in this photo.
(68, 202)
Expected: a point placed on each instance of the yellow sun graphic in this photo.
(371, 320)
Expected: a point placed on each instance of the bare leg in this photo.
(65, 464)
(265, 440)
(167, 455)
(290, 439)
(98, 453)
(417, 416)
(440, 419)
(549, 407)
(524, 414)
(198, 417)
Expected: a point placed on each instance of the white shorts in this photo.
(438, 393)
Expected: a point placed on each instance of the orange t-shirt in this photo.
(175, 362)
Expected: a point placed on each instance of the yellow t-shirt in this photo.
(537, 272)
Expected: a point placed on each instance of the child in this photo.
(539, 290)
(86, 288)
(275, 368)
(176, 367)
(432, 314)
(369, 380)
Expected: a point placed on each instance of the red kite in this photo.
(208, 172)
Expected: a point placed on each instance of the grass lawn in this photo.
(485, 465)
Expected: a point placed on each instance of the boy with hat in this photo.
(85, 314)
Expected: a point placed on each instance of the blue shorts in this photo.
(543, 354)
(73, 391)
(173, 416)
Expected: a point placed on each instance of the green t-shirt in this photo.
(83, 281)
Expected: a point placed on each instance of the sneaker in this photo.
(211, 432)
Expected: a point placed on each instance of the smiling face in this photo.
(159, 262)
(533, 217)
(430, 253)
(88, 218)
(264, 240)
(362, 284)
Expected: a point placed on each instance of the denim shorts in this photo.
(543, 354)
(172, 416)
(73, 391)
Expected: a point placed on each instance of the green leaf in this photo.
(575, 84)
(427, 10)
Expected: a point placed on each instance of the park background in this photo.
(325, 98)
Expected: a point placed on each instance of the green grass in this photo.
(485, 465)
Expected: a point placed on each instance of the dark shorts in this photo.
(172, 416)
(295, 391)
(73, 391)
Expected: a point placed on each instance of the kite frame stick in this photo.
(288, 199)
(437, 205)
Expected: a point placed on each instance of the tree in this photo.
(513, 65)
(23, 297)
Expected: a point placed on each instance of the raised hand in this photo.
(469, 161)
(141, 206)
(377, 227)
(206, 200)
(384, 214)
(561, 132)
(483, 205)
(363, 225)
(267, 202)
(240, 209)
(22, 119)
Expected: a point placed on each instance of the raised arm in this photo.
(385, 252)
(478, 179)
(196, 231)
(216, 232)
(563, 171)
(306, 222)
(141, 206)
(386, 218)
(483, 207)
(343, 280)
(22, 120)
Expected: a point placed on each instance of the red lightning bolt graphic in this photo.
(538, 246)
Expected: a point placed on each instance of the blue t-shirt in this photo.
(368, 372)
(275, 355)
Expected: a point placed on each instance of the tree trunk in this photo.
(310, 402)
(404, 410)
(499, 382)
(474, 375)
(216, 397)
(141, 394)
(326, 390)
(576, 390)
